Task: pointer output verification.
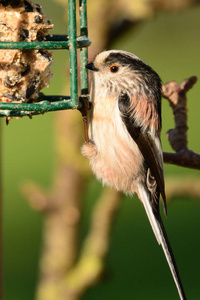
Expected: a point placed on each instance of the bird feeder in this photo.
(71, 42)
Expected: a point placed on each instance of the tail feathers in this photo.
(161, 236)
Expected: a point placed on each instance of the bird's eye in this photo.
(114, 68)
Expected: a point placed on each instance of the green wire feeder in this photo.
(71, 42)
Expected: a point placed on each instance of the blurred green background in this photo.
(136, 267)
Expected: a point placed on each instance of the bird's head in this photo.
(119, 71)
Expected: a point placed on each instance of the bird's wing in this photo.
(131, 109)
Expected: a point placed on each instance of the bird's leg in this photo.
(84, 112)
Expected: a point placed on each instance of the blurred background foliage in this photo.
(136, 267)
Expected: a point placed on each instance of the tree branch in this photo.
(90, 265)
(176, 94)
(185, 158)
(187, 187)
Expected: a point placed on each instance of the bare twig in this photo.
(62, 216)
(176, 94)
(185, 158)
(37, 198)
(61, 207)
(91, 263)
(182, 187)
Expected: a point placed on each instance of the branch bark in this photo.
(186, 187)
(90, 265)
(176, 95)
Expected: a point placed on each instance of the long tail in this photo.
(161, 236)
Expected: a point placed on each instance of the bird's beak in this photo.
(91, 67)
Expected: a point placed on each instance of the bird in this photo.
(124, 146)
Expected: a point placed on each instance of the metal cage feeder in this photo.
(70, 42)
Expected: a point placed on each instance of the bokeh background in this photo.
(136, 267)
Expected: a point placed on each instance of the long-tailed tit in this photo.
(124, 130)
